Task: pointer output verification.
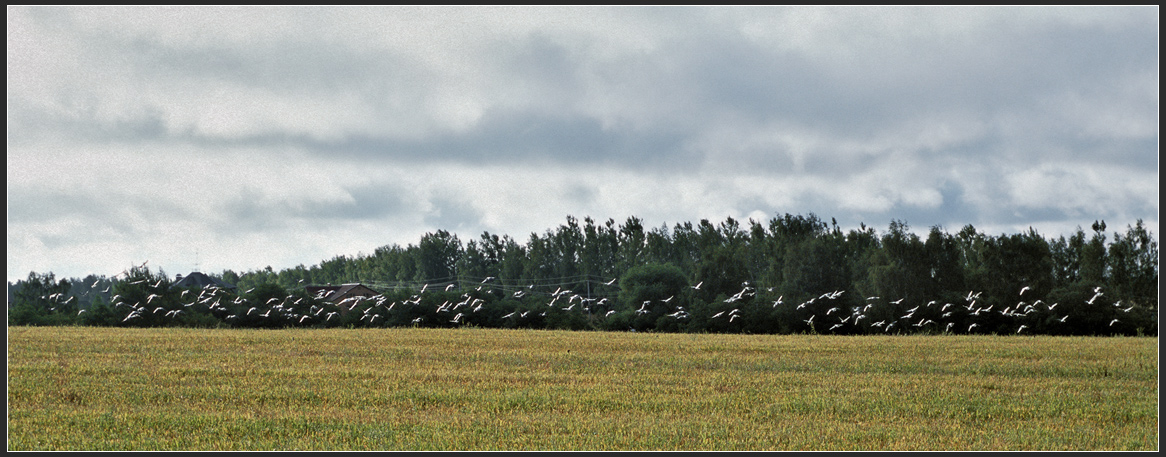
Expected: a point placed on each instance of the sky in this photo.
(216, 138)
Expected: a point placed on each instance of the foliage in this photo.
(791, 274)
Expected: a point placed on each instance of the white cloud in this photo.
(285, 135)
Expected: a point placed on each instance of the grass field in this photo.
(83, 388)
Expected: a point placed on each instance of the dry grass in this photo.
(488, 389)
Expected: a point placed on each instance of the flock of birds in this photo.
(932, 316)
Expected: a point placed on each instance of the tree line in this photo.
(792, 274)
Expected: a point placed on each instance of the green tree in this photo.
(652, 291)
(42, 299)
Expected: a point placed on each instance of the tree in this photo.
(1093, 256)
(41, 299)
(437, 256)
(652, 291)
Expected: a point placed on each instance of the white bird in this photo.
(1022, 327)
(697, 286)
(1023, 289)
(1112, 322)
(610, 282)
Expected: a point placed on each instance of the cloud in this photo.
(286, 135)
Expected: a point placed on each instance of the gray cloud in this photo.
(348, 128)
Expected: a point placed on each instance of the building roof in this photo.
(334, 294)
(201, 280)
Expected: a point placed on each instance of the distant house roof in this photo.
(335, 294)
(201, 280)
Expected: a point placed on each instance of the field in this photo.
(84, 388)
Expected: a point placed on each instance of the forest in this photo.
(792, 274)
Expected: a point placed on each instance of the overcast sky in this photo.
(240, 138)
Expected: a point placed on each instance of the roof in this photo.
(201, 280)
(332, 293)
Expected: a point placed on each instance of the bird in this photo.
(1022, 327)
(1024, 289)
(697, 286)
(1112, 322)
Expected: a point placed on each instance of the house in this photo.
(336, 294)
(199, 280)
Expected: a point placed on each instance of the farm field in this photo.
(96, 388)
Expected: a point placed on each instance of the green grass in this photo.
(81, 388)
